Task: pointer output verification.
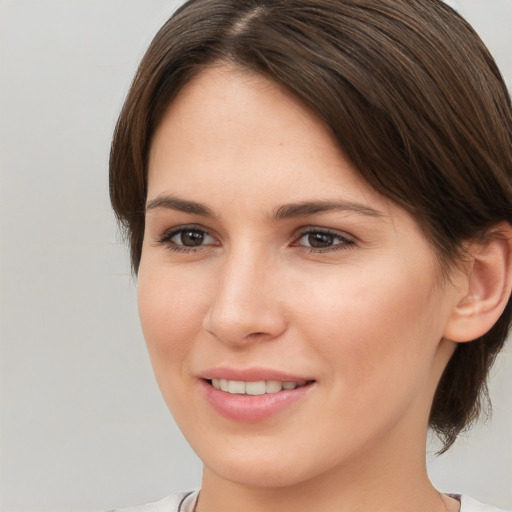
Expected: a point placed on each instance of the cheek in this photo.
(379, 328)
(171, 309)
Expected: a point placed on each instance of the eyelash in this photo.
(345, 242)
(166, 238)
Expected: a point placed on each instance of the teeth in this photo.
(255, 388)
(238, 387)
(273, 386)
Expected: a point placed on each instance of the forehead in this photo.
(237, 108)
(229, 125)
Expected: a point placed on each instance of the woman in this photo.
(318, 200)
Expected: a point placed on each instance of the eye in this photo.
(186, 239)
(320, 240)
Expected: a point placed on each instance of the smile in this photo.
(262, 387)
(250, 401)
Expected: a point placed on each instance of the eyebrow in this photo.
(181, 205)
(306, 208)
(287, 211)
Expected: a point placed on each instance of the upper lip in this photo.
(253, 374)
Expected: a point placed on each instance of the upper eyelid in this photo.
(169, 232)
(318, 229)
(299, 231)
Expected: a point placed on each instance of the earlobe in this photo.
(485, 286)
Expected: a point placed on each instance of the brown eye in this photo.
(320, 240)
(324, 240)
(190, 238)
(186, 239)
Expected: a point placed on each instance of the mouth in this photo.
(250, 401)
(256, 388)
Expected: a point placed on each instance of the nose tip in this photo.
(244, 324)
(244, 310)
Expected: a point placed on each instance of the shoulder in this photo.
(468, 504)
(181, 502)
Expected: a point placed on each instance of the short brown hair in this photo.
(412, 95)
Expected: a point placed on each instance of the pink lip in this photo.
(247, 408)
(251, 374)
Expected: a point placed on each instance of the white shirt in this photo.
(185, 502)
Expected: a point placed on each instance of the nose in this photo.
(245, 305)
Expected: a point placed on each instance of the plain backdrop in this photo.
(83, 427)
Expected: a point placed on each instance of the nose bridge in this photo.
(244, 306)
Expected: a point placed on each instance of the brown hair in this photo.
(408, 89)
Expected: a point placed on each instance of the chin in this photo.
(261, 474)
(268, 465)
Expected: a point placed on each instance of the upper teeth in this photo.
(254, 388)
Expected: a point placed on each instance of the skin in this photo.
(365, 316)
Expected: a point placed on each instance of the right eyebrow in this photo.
(181, 205)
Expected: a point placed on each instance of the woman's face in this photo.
(266, 260)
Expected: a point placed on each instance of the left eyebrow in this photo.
(306, 208)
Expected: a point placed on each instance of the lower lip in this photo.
(252, 408)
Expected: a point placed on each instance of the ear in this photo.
(483, 286)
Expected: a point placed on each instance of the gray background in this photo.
(83, 426)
